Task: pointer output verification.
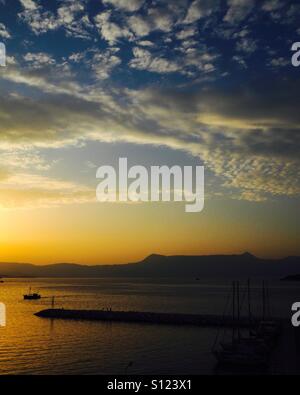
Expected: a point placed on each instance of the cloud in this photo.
(143, 60)
(77, 57)
(39, 60)
(247, 135)
(246, 45)
(38, 20)
(4, 33)
(272, 5)
(279, 62)
(22, 187)
(161, 19)
(24, 159)
(109, 30)
(145, 43)
(70, 16)
(130, 6)
(68, 11)
(199, 9)
(245, 140)
(238, 10)
(252, 108)
(186, 33)
(196, 60)
(190, 62)
(29, 4)
(103, 63)
(139, 25)
(27, 190)
(240, 60)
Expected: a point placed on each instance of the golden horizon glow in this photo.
(109, 234)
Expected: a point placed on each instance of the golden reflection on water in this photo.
(31, 345)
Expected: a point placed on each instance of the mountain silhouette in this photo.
(210, 266)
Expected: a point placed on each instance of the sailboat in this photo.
(242, 351)
(268, 329)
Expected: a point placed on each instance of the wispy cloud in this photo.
(247, 125)
(104, 62)
(131, 6)
(238, 10)
(4, 33)
(109, 30)
(33, 191)
(247, 135)
(200, 9)
(70, 15)
(143, 60)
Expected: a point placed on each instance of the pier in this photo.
(145, 317)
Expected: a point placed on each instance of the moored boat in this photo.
(32, 295)
(242, 350)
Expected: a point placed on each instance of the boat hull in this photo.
(32, 297)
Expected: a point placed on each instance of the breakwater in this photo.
(145, 317)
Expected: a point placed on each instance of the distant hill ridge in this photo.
(210, 266)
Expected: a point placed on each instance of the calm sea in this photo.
(31, 345)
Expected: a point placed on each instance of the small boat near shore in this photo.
(32, 295)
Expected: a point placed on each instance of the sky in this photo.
(186, 82)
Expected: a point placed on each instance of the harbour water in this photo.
(32, 345)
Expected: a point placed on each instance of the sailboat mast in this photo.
(238, 308)
(233, 311)
(268, 307)
(264, 300)
(249, 306)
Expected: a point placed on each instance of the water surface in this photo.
(32, 345)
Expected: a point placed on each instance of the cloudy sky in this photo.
(161, 82)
